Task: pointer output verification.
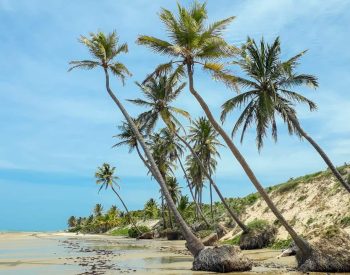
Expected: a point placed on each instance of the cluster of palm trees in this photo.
(266, 91)
(97, 222)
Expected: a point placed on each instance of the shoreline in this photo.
(69, 253)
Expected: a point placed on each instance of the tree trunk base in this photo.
(256, 239)
(328, 254)
(222, 259)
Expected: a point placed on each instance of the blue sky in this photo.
(57, 127)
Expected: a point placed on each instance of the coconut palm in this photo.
(104, 49)
(175, 192)
(98, 210)
(128, 138)
(151, 209)
(105, 176)
(205, 142)
(194, 43)
(72, 221)
(160, 92)
(270, 92)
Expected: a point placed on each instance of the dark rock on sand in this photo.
(225, 258)
(147, 235)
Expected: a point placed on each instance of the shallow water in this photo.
(38, 254)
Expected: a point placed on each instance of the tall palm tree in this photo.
(151, 209)
(160, 92)
(104, 49)
(270, 92)
(205, 142)
(127, 137)
(195, 43)
(105, 176)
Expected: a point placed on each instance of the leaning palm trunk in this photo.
(304, 247)
(131, 220)
(321, 152)
(194, 245)
(191, 191)
(217, 190)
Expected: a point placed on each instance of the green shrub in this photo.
(120, 232)
(288, 186)
(281, 244)
(258, 224)
(134, 233)
(302, 198)
(234, 241)
(345, 221)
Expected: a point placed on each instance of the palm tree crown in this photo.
(105, 176)
(268, 90)
(160, 92)
(192, 41)
(104, 49)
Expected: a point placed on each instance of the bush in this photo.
(288, 186)
(258, 224)
(234, 241)
(134, 233)
(345, 221)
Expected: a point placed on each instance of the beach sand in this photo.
(68, 253)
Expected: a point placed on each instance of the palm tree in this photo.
(72, 221)
(205, 143)
(160, 91)
(151, 209)
(128, 138)
(195, 43)
(269, 93)
(98, 210)
(175, 192)
(104, 49)
(105, 176)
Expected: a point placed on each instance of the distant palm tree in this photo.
(104, 49)
(194, 43)
(270, 93)
(105, 176)
(127, 137)
(151, 209)
(205, 142)
(72, 222)
(175, 192)
(98, 210)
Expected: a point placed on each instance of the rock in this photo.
(225, 258)
(221, 231)
(210, 240)
(330, 253)
(147, 235)
(255, 239)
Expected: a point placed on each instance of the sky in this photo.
(57, 127)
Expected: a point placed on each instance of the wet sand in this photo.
(67, 253)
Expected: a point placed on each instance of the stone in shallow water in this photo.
(225, 258)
